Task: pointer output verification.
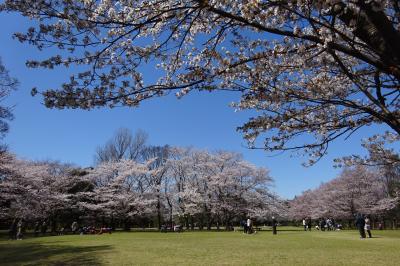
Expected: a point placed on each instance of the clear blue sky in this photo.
(201, 120)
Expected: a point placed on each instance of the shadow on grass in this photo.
(38, 254)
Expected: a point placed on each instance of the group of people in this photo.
(249, 229)
(89, 229)
(248, 226)
(364, 225)
(92, 230)
(17, 229)
(328, 224)
(171, 228)
(40, 227)
(307, 224)
(323, 224)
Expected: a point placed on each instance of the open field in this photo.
(289, 247)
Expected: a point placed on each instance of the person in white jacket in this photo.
(249, 226)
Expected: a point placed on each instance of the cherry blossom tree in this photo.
(37, 190)
(158, 156)
(302, 205)
(177, 185)
(174, 184)
(386, 163)
(310, 67)
(219, 188)
(358, 189)
(119, 192)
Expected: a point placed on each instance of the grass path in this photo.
(206, 248)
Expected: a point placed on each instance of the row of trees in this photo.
(164, 185)
(323, 69)
(137, 184)
(360, 189)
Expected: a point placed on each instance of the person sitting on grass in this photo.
(105, 230)
(177, 228)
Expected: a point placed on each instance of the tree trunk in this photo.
(209, 222)
(127, 226)
(53, 225)
(187, 222)
(228, 222)
(112, 222)
(201, 222)
(191, 223)
(158, 211)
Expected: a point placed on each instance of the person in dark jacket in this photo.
(244, 224)
(274, 224)
(322, 224)
(12, 232)
(360, 224)
(44, 228)
(37, 229)
(309, 223)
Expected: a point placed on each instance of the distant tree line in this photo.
(136, 185)
(361, 189)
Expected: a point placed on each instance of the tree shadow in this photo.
(38, 254)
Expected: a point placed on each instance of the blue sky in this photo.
(202, 120)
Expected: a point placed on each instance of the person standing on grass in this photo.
(328, 224)
(36, 229)
(309, 223)
(380, 225)
(20, 229)
(274, 224)
(249, 226)
(322, 224)
(44, 228)
(367, 226)
(304, 224)
(360, 224)
(74, 227)
(12, 232)
(244, 224)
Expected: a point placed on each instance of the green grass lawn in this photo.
(289, 247)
